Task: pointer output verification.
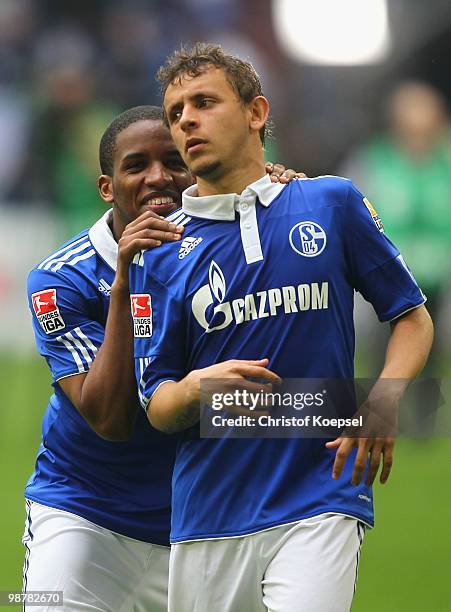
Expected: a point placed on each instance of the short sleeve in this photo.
(378, 270)
(66, 335)
(159, 332)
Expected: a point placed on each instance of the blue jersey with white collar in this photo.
(268, 277)
(122, 486)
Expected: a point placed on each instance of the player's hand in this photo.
(228, 377)
(148, 231)
(375, 448)
(375, 440)
(278, 173)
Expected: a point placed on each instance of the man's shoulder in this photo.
(63, 254)
(172, 263)
(74, 259)
(161, 258)
(320, 192)
(327, 184)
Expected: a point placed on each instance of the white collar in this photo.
(103, 241)
(222, 207)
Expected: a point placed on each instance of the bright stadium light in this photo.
(334, 32)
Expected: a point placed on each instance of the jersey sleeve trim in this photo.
(144, 362)
(162, 382)
(408, 310)
(69, 375)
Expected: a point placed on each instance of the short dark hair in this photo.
(108, 141)
(195, 60)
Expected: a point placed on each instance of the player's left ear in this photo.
(259, 111)
(105, 184)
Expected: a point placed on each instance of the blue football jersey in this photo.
(122, 486)
(270, 273)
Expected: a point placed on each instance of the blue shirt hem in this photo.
(111, 526)
(369, 521)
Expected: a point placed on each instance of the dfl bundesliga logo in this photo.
(308, 239)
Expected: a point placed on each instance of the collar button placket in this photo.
(250, 237)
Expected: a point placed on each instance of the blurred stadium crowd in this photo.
(66, 69)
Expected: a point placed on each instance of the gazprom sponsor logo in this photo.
(308, 239)
(214, 313)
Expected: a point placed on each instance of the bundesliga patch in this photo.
(47, 311)
(373, 212)
(141, 306)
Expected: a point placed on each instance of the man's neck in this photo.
(234, 181)
(117, 226)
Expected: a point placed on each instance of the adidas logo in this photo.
(188, 244)
(104, 287)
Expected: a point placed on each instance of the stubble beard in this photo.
(208, 170)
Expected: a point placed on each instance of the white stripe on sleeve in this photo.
(80, 347)
(73, 261)
(54, 256)
(87, 341)
(73, 352)
(66, 256)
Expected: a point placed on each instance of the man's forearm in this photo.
(407, 352)
(174, 407)
(409, 345)
(108, 398)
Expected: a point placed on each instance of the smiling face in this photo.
(148, 174)
(214, 131)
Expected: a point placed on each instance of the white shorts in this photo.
(95, 568)
(308, 566)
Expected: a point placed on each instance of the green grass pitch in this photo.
(405, 563)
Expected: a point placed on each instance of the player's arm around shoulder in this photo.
(107, 396)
